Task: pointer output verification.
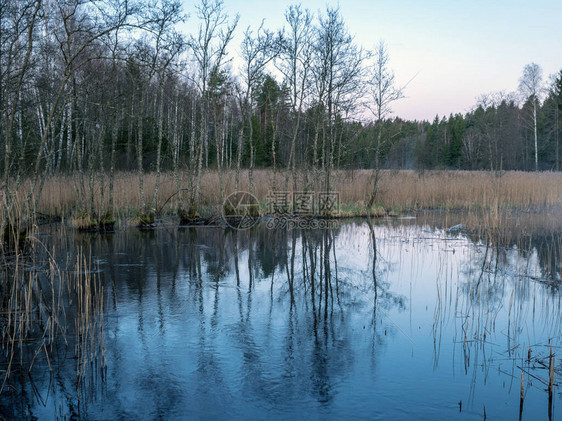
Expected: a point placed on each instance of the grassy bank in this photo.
(399, 191)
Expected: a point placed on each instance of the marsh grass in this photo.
(530, 231)
(359, 209)
(510, 273)
(143, 220)
(44, 308)
(91, 222)
(17, 226)
(399, 191)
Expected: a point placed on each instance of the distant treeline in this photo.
(98, 86)
(498, 134)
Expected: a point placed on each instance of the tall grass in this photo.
(398, 190)
(44, 307)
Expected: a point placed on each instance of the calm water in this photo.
(400, 320)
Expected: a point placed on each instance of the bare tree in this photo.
(338, 71)
(83, 36)
(530, 86)
(209, 49)
(169, 44)
(383, 93)
(42, 59)
(294, 62)
(257, 51)
(220, 87)
(17, 33)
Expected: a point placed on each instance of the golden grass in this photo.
(398, 190)
(83, 221)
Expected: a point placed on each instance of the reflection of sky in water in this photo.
(189, 340)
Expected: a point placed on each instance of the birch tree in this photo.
(294, 62)
(338, 74)
(18, 22)
(169, 44)
(257, 51)
(209, 48)
(383, 92)
(530, 86)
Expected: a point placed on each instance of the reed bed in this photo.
(44, 309)
(398, 190)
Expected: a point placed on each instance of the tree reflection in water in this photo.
(211, 321)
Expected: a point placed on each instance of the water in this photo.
(399, 320)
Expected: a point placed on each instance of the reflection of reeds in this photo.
(527, 232)
(38, 301)
(87, 292)
(500, 289)
(15, 225)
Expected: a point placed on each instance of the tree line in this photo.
(92, 87)
(504, 131)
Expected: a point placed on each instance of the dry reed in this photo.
(398, 190)
(39, 302)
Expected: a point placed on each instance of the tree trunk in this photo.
(69, 143)
(61, 140)
(201, 146)
(192, 149)
(91, 180)
(80, 159)
(251, 166)
(159, 147)
(101, 174)
(114, 134)
(239, 158)
(377, 171)
(177, 149)
(291, 164)
(139, 155)
(220, 152)
(130, 134)
(557, 130)
(315, 156)
(535, 130)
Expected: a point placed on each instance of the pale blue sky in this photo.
(458, 49)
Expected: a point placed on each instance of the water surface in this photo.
(399, 320)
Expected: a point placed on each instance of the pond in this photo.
(400, 319)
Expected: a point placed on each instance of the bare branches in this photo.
(382, 85)
(383, 92)
(209, 46)
(530, 83)
(295, 54)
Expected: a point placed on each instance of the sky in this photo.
(447, 52)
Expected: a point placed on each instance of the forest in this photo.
(92, 88)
